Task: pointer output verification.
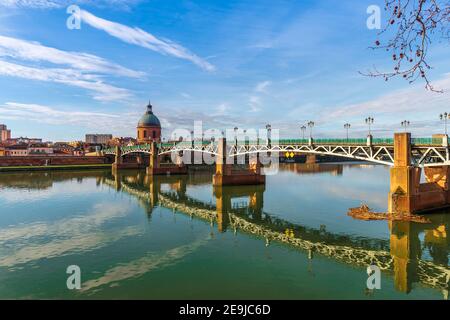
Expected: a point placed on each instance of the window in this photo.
(154, 134)
(145, 133)
(139, 134)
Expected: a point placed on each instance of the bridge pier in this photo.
(226, 176)
(407, 195)
(311, 158)
(120, 164)
(155, 167)
(118, 161)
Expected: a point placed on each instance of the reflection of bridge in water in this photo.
(400, 256)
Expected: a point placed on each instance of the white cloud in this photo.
(404, 101)
(80, 70)
(262, 86)
(30, 3)
(221, 109)
(71, 77)
(49, 115)
(255, 103)
(144, 39)
(33, 51)
(121, 123)
(56, 4)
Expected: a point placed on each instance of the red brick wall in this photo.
(52, 160)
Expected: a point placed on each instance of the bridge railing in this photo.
(427, 141)
(321, 141)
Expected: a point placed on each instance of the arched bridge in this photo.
(424, 151)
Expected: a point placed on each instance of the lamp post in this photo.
(369, 122)
(192, 138)
(347, 127)
(405, 124)
(311, 126)
(444, 117)
(235, 136)
(303, 128)
(269, 130)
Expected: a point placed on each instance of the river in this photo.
(136, 236)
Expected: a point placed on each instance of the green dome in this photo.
(149, 119)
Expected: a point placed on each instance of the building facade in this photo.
(149, 127)
(40, 150)
(5, 134)
(98, 138)
(17, 151)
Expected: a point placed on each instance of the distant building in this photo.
(40, 149)
(5, 134)
(78, 152)
(149, 127)
(19, 150)
(123, 141)
(22, 140)
(98, 138)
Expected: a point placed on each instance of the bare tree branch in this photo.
(411, 26)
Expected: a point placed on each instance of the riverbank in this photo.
(55, 167)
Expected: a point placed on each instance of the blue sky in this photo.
(227, 63)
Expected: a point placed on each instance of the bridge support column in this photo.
(405, 179)
(225, 175)
(311, 158)
(155, 167)
(407, 195)
(118, 161)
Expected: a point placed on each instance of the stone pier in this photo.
(225, 174)
(407, 195)
(311, 158)
(156, 168)
(120, 164)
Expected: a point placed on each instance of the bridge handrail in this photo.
(319, 141)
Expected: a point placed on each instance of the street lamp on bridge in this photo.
(269, 132)
(347, 127)
(405, 124)
(444, 117)
(310, 125)
(235, 135)
(303, 128)
(369, 122)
